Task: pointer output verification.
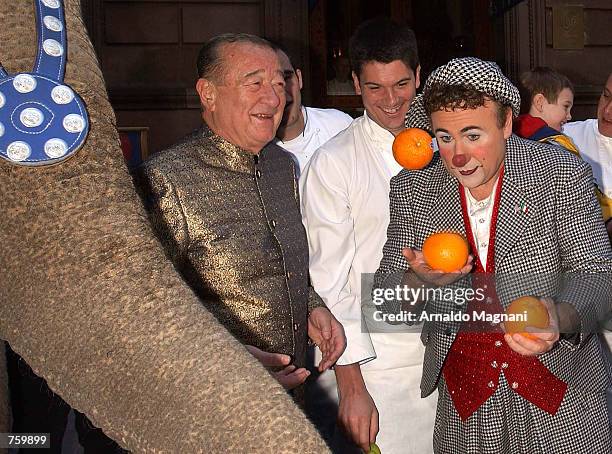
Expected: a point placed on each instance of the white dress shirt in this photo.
(345, 209)
(480, 213)
(320, 125)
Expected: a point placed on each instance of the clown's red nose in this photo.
(459, 160)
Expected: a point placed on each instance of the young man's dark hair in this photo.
(384, 41)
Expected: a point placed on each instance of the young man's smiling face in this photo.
(473, 145)
(387, 89)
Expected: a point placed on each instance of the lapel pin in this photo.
(521, 208)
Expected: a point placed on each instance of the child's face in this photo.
(558, 113)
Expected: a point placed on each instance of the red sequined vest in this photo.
(480, 354)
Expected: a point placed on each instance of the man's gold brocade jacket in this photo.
(230, 221)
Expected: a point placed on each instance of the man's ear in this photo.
(356, 83)
(207, 92)
(298, 73)
(508, 124)
(538, 102)
(417, 77)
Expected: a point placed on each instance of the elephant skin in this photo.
(90, 301)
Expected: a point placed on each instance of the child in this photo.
(547, 98)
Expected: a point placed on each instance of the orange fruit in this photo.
(537, 315)
(446, 251)
(412, 148)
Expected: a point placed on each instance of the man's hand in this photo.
(290, 376)
(328, 334)
(357, 413)
(425, 273)
(545, 339)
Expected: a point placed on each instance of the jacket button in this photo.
(504, 365)
(515, 385)
(494, 364)
(273, 223)
(296, 326)
(490, 384)
(289, 274)
(498, 343)
(258, 173)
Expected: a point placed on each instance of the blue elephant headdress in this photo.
(42, 120)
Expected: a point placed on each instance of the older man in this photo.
(225, 204)
(525, 208)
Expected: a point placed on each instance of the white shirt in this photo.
(480, 213)
(320, 126)
(595, 148)
(345, 209)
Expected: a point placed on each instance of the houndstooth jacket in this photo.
(549, 223)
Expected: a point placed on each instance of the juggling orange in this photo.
(412, 148)
(537, 315)
(446, 251)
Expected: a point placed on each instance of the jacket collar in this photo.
(518, 203)
(377, 133)
(227, 155)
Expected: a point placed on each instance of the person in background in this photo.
(594, 141)
(345, 208)
(547, 98)
(304, 129)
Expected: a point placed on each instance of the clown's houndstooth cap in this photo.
(484, 76)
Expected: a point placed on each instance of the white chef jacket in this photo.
(320, 126)
(345, 209)
(594, 148)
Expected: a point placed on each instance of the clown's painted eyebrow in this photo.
(467, 128)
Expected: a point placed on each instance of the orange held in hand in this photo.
(537, 315)
(446, 251)
(412, 148)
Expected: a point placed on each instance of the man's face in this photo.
(246, 105)
(604, 110)
(472, 145)
(293, 87)
(387, 89)
(558, 113)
